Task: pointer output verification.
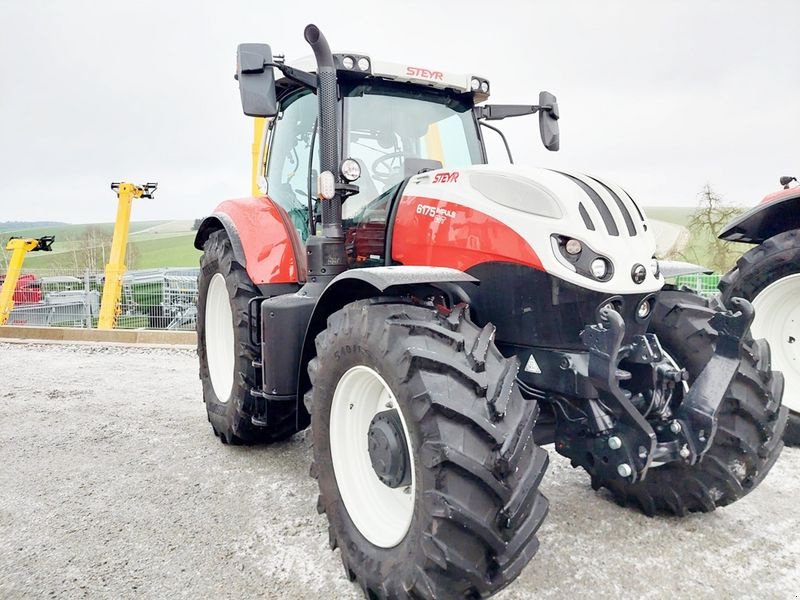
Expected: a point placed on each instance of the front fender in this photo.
(777, 213)
(263, 238)
(359, 284)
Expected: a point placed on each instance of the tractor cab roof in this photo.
(352, 66)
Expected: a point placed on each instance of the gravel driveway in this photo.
(112, 486)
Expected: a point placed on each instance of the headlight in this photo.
(655, 268)
(643, 311)
(573, 247)
(638, 273)
(363, 64)
(348, 62)
(600, 268)
(475, 84)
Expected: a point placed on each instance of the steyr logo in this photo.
(424, 73)
(446, 177)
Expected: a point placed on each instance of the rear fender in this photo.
(263, 238)
(360, 284)
(777, 213)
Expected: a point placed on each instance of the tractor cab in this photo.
(396, 121)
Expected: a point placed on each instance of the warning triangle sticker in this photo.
(532, 366)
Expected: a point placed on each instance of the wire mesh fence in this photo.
(151, 299)
(703, 284)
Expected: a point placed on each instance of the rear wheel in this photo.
(750, 420)
(423, 452)
(769, 276)
(225, 352)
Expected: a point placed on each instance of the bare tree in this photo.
(91, 249)
(705, 223)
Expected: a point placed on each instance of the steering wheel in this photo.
(388, 167)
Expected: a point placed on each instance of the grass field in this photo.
(151, 244)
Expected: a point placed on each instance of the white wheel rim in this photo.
(382, 514)
(219, 337)
(778, 320)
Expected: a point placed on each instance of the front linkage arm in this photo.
(697, 413)
(637, 440)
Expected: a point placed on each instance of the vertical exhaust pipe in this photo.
(328, 133)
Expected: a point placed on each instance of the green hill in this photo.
(78, 246)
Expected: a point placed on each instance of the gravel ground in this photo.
(112, 486)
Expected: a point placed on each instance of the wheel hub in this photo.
(388, 451)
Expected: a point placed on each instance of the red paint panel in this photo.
(437, 233)
(272, 248)
(781, 195)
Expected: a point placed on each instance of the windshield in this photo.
(394, 137)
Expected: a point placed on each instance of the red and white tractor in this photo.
(437, 320)
(769, 277)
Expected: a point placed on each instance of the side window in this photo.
(288, 157)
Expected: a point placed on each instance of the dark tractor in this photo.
(437, 321)
(769, 277)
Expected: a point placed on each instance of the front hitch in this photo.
(615, 439)
(697, 414)
(633, 449)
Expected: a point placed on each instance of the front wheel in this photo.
(226, 354)
(750, 419)
(423, 452)
(769, 276)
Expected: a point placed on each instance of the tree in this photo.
(705, 223)
(91, 249)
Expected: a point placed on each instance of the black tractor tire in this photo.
(230, 417)
(773, 260)
(750, 421)
(477, 505)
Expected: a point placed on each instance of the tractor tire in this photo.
(463, 523)
(769, 277)
(751, 419)
(225, 352)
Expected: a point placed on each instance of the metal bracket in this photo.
(698, 411)
(604, 341)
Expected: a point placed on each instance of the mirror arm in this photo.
(305, 79)
(496, 112)
(502, 137)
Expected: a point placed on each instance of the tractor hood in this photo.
(548, 208)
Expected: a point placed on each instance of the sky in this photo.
(660, 97)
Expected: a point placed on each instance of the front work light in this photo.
(351, 170)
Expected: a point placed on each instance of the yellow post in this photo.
(115, 269)
(19, 247)
(433, 142)
(258, 136)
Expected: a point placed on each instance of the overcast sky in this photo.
(661, 97)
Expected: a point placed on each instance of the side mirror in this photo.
(548, 120)
(256, 80)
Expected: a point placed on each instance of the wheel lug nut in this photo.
(614, 443)
(675, 427)
(624, 470)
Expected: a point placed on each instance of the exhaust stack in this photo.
(327, 131)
